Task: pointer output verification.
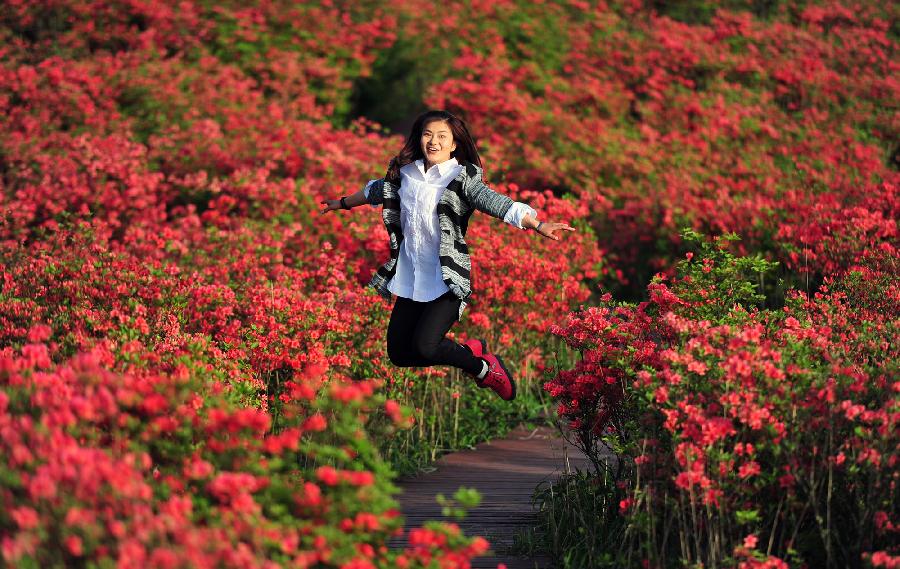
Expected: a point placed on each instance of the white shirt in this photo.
(418, 274)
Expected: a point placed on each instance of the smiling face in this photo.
(437, 142)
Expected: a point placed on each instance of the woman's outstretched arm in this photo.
(503, 207)
(359, 198)
(352, 200)
(548, 229)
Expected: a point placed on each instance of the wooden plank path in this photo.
(506, 472)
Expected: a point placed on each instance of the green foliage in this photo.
(463, 500)
(394, 92)
(450, 413)
(578, 521)
(716, 281)
(536, 38)
(702, 11)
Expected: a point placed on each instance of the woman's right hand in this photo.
(331, 205)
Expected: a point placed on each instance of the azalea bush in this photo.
(747, 121)
(164, 263)
(261, 332)
(190, 374)
(730, 434)
(142, 469)
(181, 126)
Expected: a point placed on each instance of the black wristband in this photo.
(343, 203)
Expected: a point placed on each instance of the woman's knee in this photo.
(427, 347)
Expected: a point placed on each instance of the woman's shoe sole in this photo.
(509, 375)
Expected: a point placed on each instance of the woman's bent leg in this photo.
(400, 333)
(429, 337)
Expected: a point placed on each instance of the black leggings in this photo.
(416, 335)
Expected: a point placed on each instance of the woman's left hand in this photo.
(554, 230)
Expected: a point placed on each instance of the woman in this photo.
(431, 189)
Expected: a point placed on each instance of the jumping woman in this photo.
(431, 189)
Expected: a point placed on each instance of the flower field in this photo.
(192, 373)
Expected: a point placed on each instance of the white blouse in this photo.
(418, 274)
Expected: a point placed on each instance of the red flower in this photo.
(393, 410)
(315, 422)
(73, 545)
(327, 475)
(25, 517)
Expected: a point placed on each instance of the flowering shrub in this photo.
(189, 371)
(743, 435)
(162, 166)
(729, 124)
(143, 469)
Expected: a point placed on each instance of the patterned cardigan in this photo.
(466, 193)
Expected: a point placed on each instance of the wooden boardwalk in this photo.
(506, 472)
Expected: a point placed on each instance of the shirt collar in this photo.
(443, 168)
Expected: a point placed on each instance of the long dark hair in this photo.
(412, 150)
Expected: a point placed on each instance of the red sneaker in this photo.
(498, 378)
(478, 347)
